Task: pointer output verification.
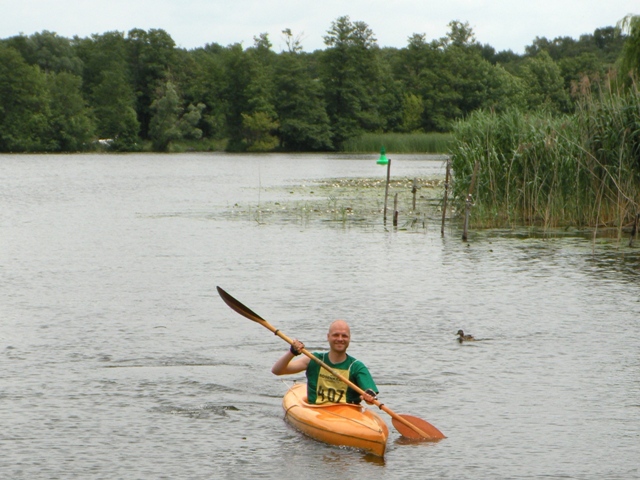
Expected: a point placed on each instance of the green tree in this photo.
(206, 85)
(545, 85)
(113, 103)
(412, 108)
(477, 83)
(460, 35)
(422, 72)
(352, 79)
(261, 87)
(452, 78)
(260, 119)
(71, 124)
(100, 53)
(258, 132)
(609, 43)
(390, 93)
(304, 123)
(169, 122)
(238, 71)
(249, 89)
(573, 69)
(589, 56)
(293, 43)
(49, 51)
(151, 57)
(24, 104)
(630, 56)
(504, 91)
(107, 84)
(604, 43)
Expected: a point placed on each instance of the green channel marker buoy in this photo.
(383, 160)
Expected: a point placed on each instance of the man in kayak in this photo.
(322, 386)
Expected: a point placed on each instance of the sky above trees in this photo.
(503, 24)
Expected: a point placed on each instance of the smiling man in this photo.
(322, 386)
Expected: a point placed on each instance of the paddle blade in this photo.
(432, 432)
(239, 307)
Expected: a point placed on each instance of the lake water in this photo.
(119, 361)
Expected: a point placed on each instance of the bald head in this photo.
(339, 325)
(339, 337)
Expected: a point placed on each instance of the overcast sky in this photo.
(503, 24)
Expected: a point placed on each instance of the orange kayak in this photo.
(338, 424)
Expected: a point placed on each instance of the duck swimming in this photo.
(464, 338)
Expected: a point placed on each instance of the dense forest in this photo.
(135, 91)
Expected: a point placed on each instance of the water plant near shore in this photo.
(346, 201)
(537, 169)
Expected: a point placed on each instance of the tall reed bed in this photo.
(400, 142)
(538, 169)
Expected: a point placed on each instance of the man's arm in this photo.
(364, 380)
(286, 365)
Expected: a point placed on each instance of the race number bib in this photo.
(330, 388)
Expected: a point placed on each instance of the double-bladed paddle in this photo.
(408, 425)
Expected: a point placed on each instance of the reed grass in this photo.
(400, 142)
(537, 169)
(192, 145)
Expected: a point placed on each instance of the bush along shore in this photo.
(543, 170)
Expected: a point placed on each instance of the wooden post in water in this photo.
(386, 192)
(446, 195)
(395, 210)
(468, 203)
(414, 189)
(634, 230)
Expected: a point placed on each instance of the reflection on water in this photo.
(121, 361)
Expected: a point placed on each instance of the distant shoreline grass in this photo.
(400, 143)
(433, 143)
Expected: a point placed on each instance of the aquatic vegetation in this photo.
(545, 170)
(348, 201)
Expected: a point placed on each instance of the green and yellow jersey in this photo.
(323, 387)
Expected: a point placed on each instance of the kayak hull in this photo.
(336, 423)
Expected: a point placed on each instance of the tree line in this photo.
(138, 90)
